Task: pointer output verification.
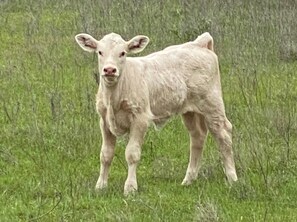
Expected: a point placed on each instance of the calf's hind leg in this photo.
(195, 123)
(221, 129)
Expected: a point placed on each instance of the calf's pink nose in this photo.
(109, 71)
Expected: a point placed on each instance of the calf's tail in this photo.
(205, 41)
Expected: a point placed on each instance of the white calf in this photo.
(134, 91)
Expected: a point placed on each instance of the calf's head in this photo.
(112, 51)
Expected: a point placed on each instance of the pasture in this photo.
(49, 129)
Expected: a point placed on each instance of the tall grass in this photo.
(50, 137)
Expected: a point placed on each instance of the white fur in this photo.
(182, 79)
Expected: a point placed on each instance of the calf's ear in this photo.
(86, 42)
(137, 44)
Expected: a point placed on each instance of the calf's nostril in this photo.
(109, 70)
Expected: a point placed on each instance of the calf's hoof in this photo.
(189, 178)
(100, 185)
(186, 182)
(231, 177)
(130, 188)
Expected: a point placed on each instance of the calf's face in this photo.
(112, 51)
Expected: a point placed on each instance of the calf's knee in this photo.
(132, 154)
(106, 155)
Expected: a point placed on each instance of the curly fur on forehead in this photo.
(113, 38)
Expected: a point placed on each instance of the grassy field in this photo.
(49, 129)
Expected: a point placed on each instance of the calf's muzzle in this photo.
(109, 71)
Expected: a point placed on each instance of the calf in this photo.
(135, 91)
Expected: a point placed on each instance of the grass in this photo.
(50, 137)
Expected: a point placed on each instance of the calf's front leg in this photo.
(133, 151)
(106, 154)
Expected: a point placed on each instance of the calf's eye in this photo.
(122, 54)
(100, 53)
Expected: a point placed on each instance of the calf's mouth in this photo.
(110, 79)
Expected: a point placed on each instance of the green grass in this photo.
(50, 138)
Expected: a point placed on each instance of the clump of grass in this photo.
(207, 212)
(288, 51)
